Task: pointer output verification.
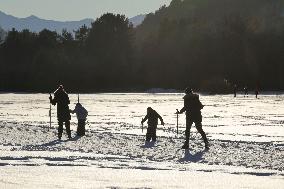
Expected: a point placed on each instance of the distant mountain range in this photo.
(137, 20)
(35, 24)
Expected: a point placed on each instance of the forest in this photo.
(209, 45)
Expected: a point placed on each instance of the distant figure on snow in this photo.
(192, 107)
(235, 90)
(63, 115)
(245, 91)
(256, 91)
(81, 114)
(152, 117)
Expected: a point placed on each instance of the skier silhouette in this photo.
(63, 115)
(81, 114)
(256, 91)
(192, 107)
(235, 90)
(245, 91)
(152, 117)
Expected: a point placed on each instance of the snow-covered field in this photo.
(246, 138)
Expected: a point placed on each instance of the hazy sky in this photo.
(78, 9)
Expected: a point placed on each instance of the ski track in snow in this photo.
(246, 135)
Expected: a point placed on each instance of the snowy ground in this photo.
(246, 144)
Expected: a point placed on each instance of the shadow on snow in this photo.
(188, 156)
(148, 144)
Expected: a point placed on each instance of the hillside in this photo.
(203, 42)
(213, 15)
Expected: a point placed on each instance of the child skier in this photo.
(152, 117)
(81, 114)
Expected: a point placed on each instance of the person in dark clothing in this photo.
(235, 90)
(192, 107)
(152, 117)
(81, 114)
(63, 114)
(245, 91)
(256, 91)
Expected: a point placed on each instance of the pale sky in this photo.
(64, 10)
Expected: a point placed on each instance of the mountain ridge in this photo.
(36, 24)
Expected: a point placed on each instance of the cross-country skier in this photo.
(245, 91)
(81, 114)
(256, 91)
(235, 90)
(152, 117)
(63, 114)
(192, 107)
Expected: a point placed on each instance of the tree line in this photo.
(210, 45)
(92, 59)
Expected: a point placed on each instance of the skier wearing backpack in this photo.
(192, 107)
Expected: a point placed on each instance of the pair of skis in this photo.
(177, 121)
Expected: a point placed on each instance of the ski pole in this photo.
(142, 125)
(177, 120)
(50, 112)
(78, 98)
